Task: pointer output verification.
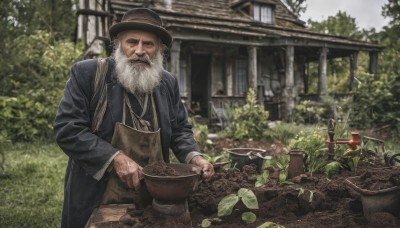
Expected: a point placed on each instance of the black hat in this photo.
(142, 19)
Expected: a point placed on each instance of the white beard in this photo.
(138, 77)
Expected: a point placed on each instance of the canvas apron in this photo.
(141, 145)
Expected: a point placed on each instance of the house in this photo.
(222, 48)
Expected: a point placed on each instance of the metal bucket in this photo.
(245, 156)
(385, 200)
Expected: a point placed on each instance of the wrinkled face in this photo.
(141, 43)
(139, 61)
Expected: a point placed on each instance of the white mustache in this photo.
(144, 58)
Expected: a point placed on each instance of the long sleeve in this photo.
(73, 121)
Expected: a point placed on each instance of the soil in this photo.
(323, 203)
(161, 169)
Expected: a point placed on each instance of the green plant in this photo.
(248, 121)
(302, 192)
(282, 164)
(227, 204)
(307, 112)
(270, 225)
(312, 141)
(284, 132)
(332, 168)
(35, 85)
(262, 179)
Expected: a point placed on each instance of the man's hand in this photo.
(206, 167)
(127, 170)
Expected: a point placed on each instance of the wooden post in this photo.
(253, 68)
(353, 68)
(288, 91)
(306, 77)
(175, 57)
(373, 62)
(322, 72)
(229, 73)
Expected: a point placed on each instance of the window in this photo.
(263, 13)
(241, 76)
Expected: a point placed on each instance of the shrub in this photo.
(249, 121)
(35, 85)
(312, 141)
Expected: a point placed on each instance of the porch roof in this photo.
(202, 21)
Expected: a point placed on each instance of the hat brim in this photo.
(162, 33)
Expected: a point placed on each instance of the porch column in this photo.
(253, 68)
(288, 92)
(175, 56)
(373, 62)
(229, 74)
(353, 68)
(322, 75)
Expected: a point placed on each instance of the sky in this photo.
(366, 12)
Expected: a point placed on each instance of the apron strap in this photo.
(138, 122)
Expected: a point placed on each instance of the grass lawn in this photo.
(31, 188)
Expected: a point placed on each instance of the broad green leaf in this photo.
(248, 198)
(262, 179)
(226, 205)
(249, 217)
(270, 225)
(206, 223)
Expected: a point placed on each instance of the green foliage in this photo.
(284, 132)
(270, 225)
(34, 87)
(31, 192)
(248, 121)
(376, 102)
(249, 217)
(282, 164)
(302, 192)
(227, 203)
(307, 112)
(312, 141)
(200, 133)
(332, 168)
(341, 24)
(262, 179)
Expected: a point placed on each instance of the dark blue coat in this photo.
(88, 152)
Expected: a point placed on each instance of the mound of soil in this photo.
(308, 201)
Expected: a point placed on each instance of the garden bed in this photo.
(308, 201)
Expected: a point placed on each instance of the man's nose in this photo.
(140, 50)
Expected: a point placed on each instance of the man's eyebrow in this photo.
(132, 39)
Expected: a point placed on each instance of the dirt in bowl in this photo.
(378, 179)
(163, 169)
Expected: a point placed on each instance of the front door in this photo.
(200, 74)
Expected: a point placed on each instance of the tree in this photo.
(296, 6)
(341, 24)
(392, 10)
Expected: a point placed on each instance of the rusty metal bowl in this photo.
(172, 189)
(245, 156)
